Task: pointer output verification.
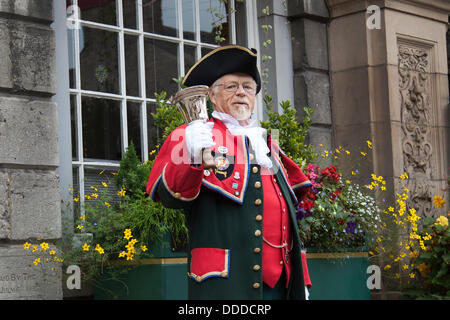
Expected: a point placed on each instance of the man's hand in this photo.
(198, 137)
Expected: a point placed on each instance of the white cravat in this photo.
(254, 134)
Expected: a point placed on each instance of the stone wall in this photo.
(29, 192)
(309, 36)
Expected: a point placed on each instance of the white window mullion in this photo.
(232, 25)
(122, 78)
(78, 109)
(180, 37)
(141, 78)
(197, 29)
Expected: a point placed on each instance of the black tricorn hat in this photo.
(221, 61)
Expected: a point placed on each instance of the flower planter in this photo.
(161, 275)
(338, 276)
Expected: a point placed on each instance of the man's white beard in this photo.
(241, 113)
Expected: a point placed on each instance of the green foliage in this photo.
(292, 134)
(132, 175)
(432, 261)
(166, 118)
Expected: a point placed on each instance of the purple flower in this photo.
(350, 227)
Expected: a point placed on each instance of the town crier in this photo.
(243, 236)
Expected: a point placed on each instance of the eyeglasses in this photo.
(233, 86)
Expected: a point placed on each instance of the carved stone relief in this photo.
(414, 85)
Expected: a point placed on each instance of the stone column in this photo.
(29, 192)
(390, 86)
(308, 25)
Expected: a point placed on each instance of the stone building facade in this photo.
(371, 69)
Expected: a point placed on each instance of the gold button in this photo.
(177, 195)
(281, 262)
(257, 184)
(224, 274)
(257, 250)
(284, 210)
(257, 233)
(251, 156)
(255, 169)
(258, 217)
(256, 285)
(258, 202)
(256, 267)
(281, 194)
(284, 227)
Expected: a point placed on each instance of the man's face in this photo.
(234, 94)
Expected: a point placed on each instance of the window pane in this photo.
(102, 11)
(241, 23)
(93, 179)
(188, 20)
(208, 11)
(131, 65)
(189, 57)
(101, 129)
(99, 61)
(160, 17)
(134, 126)
(205, 51)
(72, 53)
(73, 125)
(152, 131)
(161, 65)
(129, 14)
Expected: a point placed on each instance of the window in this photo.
(122, 52)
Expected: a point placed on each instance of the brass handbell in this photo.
(191, 103)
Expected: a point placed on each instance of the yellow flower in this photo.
(44, 246)
(82, 217)
(52, 252)
(34, 248)
(26, 245)
(404, 176)
(413, 254)
(438, 201)
(114, 173)
(412, 275)
(347, 181)
(101, 172)
(36, 261)
(122, 254)
(122, 192)
(76, 199)
(104, 184)
(79, 227)
(99, 249)
(443, 221)
(363, 153)
(383, 187)
(353, 173)
(107, 204)
(85, 247)
(94, 195)
(369, 144)
(406, 189)
(347, 152)
(92, 187)
(127, 234)
(144, 247)
(391, 209)
(387, 267)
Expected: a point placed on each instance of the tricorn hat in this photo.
(221, 61)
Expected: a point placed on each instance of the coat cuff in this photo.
(182, 181)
